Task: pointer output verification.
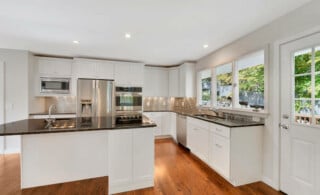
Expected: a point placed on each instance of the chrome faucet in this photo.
(50, 120)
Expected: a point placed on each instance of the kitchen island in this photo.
(83, 148)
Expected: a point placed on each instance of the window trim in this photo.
(235, 88)
(199, 88)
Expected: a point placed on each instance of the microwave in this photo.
(55, 85)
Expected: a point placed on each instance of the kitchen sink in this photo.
(208, 116)
(61, 123)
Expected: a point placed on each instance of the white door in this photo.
(300, 116)
(1, 92)
(2, 104)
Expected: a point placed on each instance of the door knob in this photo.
(283, 126)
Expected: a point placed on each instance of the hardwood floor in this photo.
(176, 172)
(10, 182)
(179, 172)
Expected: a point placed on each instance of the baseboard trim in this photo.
(113, 189)
(269, 182)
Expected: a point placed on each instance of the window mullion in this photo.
(235, 86)
(313, 69)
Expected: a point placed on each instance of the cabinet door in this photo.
(105, 70)
(122, 72)
(84, 69)
(165, 123)
(191, 136)
(54, 67)
(202, 143)
(136, 75)
(143, 154)
(157, 118)
(173, 82)
(221, 155)
(187, 80)
(120, 157)
(155, 82)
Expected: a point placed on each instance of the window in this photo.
(204, 86)
(250, 86)
(242, 84)
(307, 86)
(224, 85)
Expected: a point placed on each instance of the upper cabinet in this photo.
(155, 82)
(53, 67)
(187, 80)
(174, 82)
(88, 68)
(129, 74)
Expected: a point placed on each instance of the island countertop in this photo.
(38, 126)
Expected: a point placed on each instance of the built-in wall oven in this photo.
(128, 104)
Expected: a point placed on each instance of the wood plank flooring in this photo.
(179, 172)
(176, 172)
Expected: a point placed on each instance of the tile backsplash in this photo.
(64, 104)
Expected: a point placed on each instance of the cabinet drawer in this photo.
(220, 130)
(221, 155)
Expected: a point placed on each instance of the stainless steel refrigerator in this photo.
(95, 98)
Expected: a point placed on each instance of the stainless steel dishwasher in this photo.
(182, 130)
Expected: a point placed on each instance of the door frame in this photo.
(274, 72)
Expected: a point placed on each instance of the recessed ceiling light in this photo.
(205, 46)
(75, 42)
(127, 35)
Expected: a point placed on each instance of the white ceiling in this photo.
(164, 32)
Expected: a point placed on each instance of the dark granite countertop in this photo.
(46, 113)
(224, 122)
(37, 126)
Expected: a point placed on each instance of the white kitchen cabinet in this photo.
(187, 80)
(120, 157)
(220, 152)
(131, 159)
(198, 138)
(88, 68)
(157, 118)
(143, 155)
(129, 74)
(173, 88)
(53, 67)
(155, 82)
(166, 123)
(236, 153)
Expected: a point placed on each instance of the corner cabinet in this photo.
(155, 82)
(182, 81)
(131, 159)
(166, 123)
(235, 153)
(129, 74)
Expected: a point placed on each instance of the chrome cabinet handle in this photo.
(284, 126)
(218, 145)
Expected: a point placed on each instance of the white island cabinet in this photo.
(126, 156)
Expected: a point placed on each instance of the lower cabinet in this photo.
(198, 138)
(235, 153)
(166, 123)
(131, 159)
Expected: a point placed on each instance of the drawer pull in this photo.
(218, 145)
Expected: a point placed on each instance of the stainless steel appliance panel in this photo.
(182, 130)
(95, 98)
(54, 85)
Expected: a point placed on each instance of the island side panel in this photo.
(62, 157)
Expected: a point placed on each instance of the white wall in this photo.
(16, 91)
(296, 22)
